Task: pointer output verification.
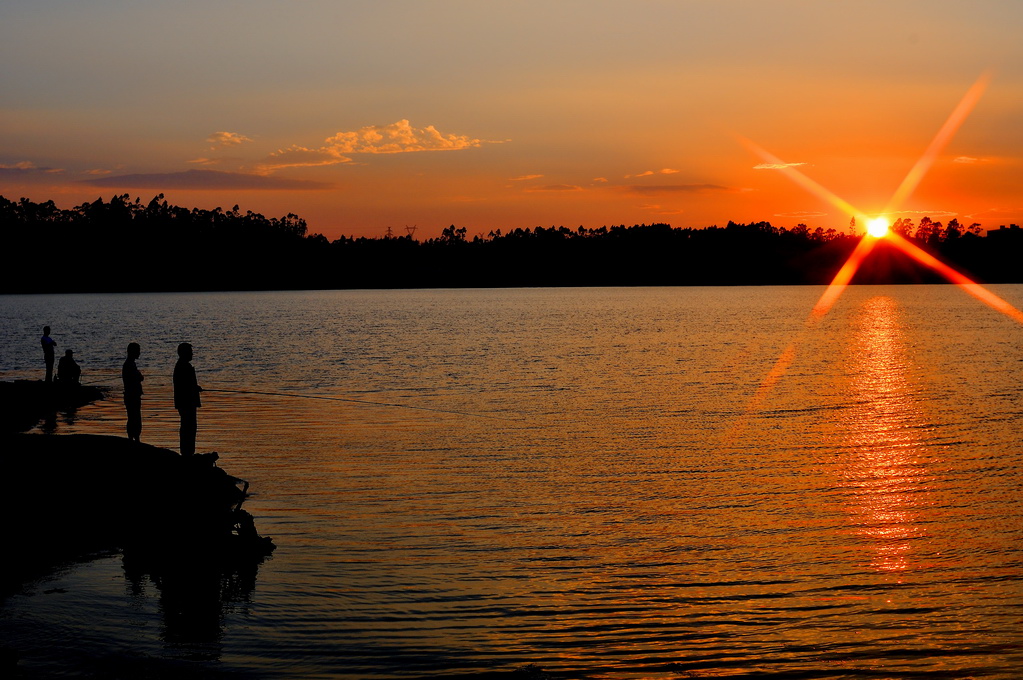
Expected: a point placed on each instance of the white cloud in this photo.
(399, 137)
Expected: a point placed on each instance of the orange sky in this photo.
(360, 116)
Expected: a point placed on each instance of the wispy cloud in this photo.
(300, 157)
(966, 160)
(206, 179)
(802, 214)
(776, 166)
(1001, 215)
(658, 209)
(923, 213)
(556, 187)
(220, 140)
(677, 189)
(27, 171)
(524, 178)
(649, 173)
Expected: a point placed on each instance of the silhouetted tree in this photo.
(125, 244)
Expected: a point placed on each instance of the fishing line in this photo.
(347, 399)
(360, 401)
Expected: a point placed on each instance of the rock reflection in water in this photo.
(195, 598)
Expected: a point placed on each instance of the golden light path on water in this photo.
(868, 242)
(890, 484)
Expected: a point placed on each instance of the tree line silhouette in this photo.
(123, 245)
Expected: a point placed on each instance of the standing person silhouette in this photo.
(186, 398)
(132, 379)
(48, 346)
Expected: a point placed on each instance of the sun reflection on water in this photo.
(889, 482)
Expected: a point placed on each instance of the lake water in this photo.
(585, 483)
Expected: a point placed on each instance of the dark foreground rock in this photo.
(23, 403)
(67, 496)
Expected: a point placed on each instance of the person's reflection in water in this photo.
(186, 398)
(195, 598)
(132, 379)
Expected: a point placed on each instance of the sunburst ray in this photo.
(867, 243)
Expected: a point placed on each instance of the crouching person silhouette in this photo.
(69, 373)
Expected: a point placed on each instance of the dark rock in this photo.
(71, 495)
(23, 403)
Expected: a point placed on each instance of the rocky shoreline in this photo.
(23, 403)
(65, 497)
(69, 496)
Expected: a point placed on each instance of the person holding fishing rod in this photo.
(186, 398)
(132, 378)
(48, 346)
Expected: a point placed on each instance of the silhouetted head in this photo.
(134, 350)
(68, 353)
(46, 330)
(185, 351)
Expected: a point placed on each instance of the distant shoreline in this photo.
(131, 247)
(523, 287)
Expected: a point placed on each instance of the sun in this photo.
(877, 227)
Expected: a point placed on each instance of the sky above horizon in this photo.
(366, 116)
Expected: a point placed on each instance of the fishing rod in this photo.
(361, 401)
(365, 402)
